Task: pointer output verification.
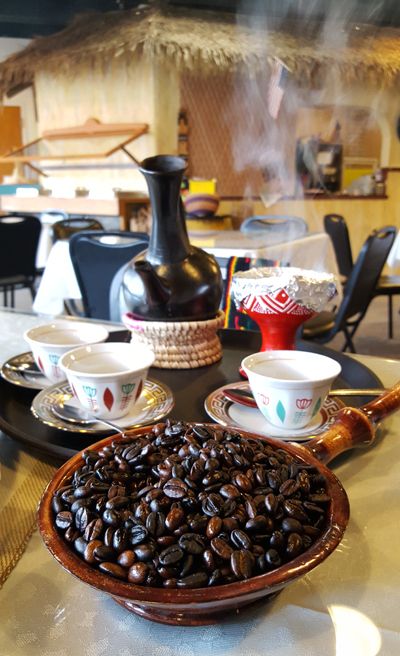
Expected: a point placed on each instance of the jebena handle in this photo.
(354, 427)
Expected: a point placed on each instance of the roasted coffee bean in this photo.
(117, 502)
(215, 577)
(112, 568)
(138, 573)
(242, 482)
(209, 559)
(126, 558)
(187, 565)
(295, 510)
(120, 540)
(311, 531)
(251, 509)
(144, 552)
(320, 497)
(198, 523)
(212, 504)
(57, 504)
(313, 508)
(214, 526)
(288, 487)
(111, 517)
(71, 534)
(271, 503)
(294, 545)
(240, 539)
(109, 536)
(221, 548)
(229, 524)
(64, 519)
(171, 555)
(201, 432)
(82, 518)
(167, 572)
(229, 491)
(116, 491)
(195, 580)
(102, 552)
(94, 529)
(192, 543)
(89, 554)
(80, 545)
(190, 506)
(277, 540)
(272, 559)
(259, 524)
(175, 488)
(138, 534)
(242, 563)
(290, 525)
(155, 523)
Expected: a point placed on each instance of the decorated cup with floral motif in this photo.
(50, 341)
(290, 387)
(107, 379)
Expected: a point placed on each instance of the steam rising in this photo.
(265, 144)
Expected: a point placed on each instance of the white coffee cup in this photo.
(290, 387)
(50, 341)
(107, 379)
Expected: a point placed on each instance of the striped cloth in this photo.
(233, 317)
(18, 515)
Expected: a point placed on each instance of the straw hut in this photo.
(146, 66)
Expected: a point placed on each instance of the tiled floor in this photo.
(371, 337)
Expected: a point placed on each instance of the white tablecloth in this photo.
(394, 255)
(58, 281)
(314, 251)
(347, 606)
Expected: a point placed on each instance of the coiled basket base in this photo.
(179, 344)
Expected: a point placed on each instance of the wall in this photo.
(123, 91)
(24, 99)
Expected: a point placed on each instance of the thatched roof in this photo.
(205, 40)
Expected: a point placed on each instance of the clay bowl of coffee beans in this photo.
(183, 523)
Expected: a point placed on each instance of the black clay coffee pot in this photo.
(172, 280)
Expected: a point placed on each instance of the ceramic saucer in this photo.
(228, 413)
(22, 370)
(154, 403)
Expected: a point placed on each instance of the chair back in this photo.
(96, 258)
(285, 227)
(336, 227)
(19, 238)
(67, 227)
(361, 284)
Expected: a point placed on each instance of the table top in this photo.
(347, 606)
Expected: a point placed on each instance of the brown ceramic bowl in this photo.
(206, 605)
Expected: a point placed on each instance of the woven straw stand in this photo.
(179, 344)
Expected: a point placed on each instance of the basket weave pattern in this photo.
(179, 344)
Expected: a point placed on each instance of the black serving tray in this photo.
(190, 388)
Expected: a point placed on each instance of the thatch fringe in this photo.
(206, 42)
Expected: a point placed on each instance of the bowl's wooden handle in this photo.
(354, 427)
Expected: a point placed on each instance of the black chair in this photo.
(358, 292)
(67, 227)
(19, 238)
(336, 227)
(387, 285)
(96, 258)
